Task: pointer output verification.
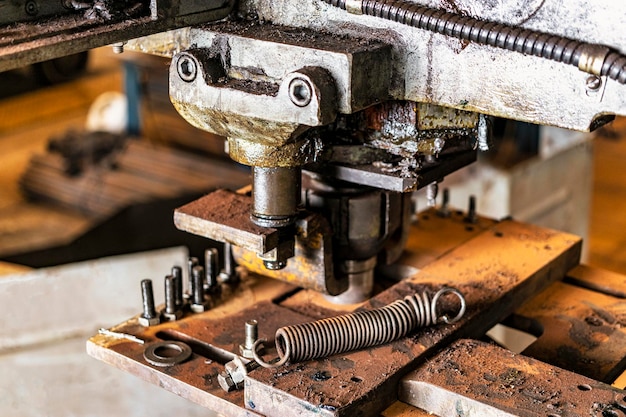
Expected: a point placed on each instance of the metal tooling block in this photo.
(496, 266)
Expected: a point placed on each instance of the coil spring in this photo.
(557, 48)
(330, 336)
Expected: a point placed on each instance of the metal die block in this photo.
(225, 216)
(473, 378)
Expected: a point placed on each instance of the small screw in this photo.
(177, 273)
(31, 7)
(199, 304)
(187, 67)
(172, 312)
(252, 334)
(431, 193)
(118, 47)
(300, 92)
(471, 210)
(593, 83)
(211, 260)
(444, 210)
(149, 316)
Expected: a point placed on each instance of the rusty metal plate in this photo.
(225, 216)
(471, 378)
(496, 271)
(582, 330)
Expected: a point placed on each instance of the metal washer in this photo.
(157, 360)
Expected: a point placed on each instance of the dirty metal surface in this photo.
(582, 330)
(52, 37)
(225, 216)
(495, 271)
(472, 378)
(495, 266)
(214, 337)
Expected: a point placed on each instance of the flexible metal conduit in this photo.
(591, 58)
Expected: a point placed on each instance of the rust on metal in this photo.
(225, 216)
(496, 271)
(472, 378)
(495, 266)
(581, 330)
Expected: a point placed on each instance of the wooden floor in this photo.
(29, 119)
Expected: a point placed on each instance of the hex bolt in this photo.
(252, 334)
(300, 92)
(234, 374)
(444, 210)
(471, 210)
(431, 193)
(118, 47)
(211, 265)
(198, 303)
(191, 262)
(177, 273)
(187, 67)
(593, 83)
(228, 274)
(171, 312)
(149, 316)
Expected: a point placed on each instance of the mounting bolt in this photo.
(187, 67)
(471, 210)
(252, 334)
(234, 374)
(149, 316)
(431, 193)
(444, 210)
(198, 303)
(172, 312)
(211, 265)
(300, 92)
(118, 47)
(31, 8)
(177, 273)
(593, 83)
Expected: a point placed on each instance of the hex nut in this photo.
(172, 316)
(226, 382)
(200, 308)
(147, 322)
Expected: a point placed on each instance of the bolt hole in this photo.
(425, 217)
(554, 415)
(356, 379)
(498, 234)
(469, 228)
(584, 387)
(610, 413)
(187, 68)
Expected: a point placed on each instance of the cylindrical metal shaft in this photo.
(198, 284)
(177, 273)
(147, 297)
(170, 295)
(276, 195)
(211, 265)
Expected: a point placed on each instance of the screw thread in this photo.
(198, 284)
(147, 298)
(170, 294)
(211, 263)
(177, 273)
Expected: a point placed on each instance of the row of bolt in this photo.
(204, 284)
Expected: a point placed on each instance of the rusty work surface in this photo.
(495, 271)
(472, 378)
(582, 330)
(214, 337)
(225, 216)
